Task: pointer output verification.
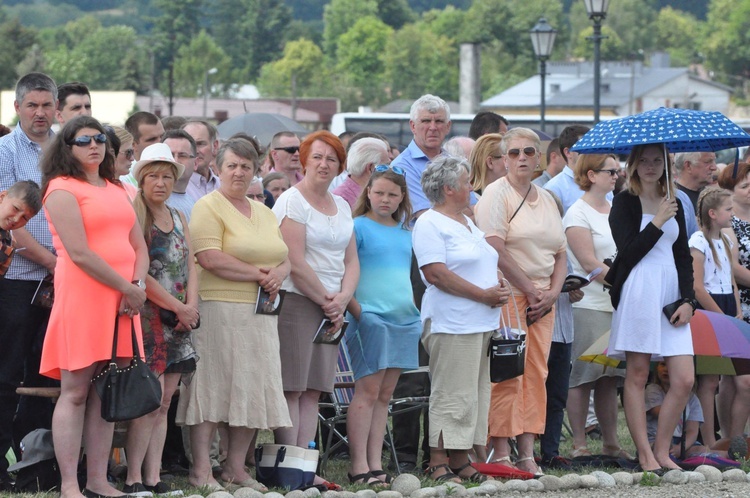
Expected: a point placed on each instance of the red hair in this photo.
(327, 138)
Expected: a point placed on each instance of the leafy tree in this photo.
(303, 61)
(612, 47)
(678, 33)
(17, 41)
(448, 22)
(339, 16)
(360, 59)
(395, 13)
(727, 40)
(194, 60)
(309, 30)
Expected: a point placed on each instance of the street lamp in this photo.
(213, 70)
(597, 11)
(542, 39)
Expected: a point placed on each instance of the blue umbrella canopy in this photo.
(681, 130)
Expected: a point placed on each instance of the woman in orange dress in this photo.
(102, 261)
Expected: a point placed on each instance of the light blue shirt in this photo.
(563, 331)
(687, 206)
(183, 203)
(199, 186)
(19, 160)
(414, 161)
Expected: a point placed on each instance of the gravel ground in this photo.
(696, 490)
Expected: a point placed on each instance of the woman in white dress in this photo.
(653, 269)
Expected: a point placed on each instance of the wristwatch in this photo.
(692, 302)
(139, 283)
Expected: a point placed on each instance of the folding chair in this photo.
(339, 399)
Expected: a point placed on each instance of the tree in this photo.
(360, 60)
(192, 62)
(727, 40)
(339, 16)
(303, 61)
(677, 32)
(17, 42)
(612, 47)
(395, 13)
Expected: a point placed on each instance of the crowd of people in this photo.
(162, 227)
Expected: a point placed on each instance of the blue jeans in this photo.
(22, 328)
(558, 380)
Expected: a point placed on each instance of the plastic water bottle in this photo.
(311, 445)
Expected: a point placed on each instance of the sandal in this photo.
(583, 451)
(615, 451)
(387, 478)
(447, 476)
(477, 476)
(538, 473)
(365, 478)
(504, 461)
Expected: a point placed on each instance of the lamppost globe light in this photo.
(597, 11)
(542, 39)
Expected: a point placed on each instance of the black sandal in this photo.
(448, 476)
(477, 476)
(377, 473)
(365, 479)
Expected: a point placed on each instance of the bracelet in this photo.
(692, 302)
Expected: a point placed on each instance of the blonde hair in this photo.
(486, 146)
(634, 181)
(142, 211)
(712, 198)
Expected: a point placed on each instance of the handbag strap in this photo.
(520, 205)
(515, 305)
(114, 339)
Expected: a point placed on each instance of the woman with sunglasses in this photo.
(487, 164)
(318, 229)
(522, 222)
(124, 157)
(100, 276)
(590, 243)
(384, 323)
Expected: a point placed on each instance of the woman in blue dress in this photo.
(385, 326)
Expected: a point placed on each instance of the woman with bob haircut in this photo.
(653, 269)
(100, 276)
(317, 226)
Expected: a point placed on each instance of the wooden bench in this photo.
(40, 392)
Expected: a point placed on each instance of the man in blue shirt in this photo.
(22, 325)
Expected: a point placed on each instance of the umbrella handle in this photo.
(667, 172)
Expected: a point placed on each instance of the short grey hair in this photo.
(364, 151)
(35, 82)
(430, 103)
(685, 157)
(519, 132)
(443, 171)
(454, 146)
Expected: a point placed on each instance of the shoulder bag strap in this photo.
(520, 205)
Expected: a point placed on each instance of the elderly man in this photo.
(283, 154)
(364, 155)
(22, 325)
(695, 171)
(203, 180)
(74, 99)
(459, 146)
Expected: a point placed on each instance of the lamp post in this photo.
(213, 70)
(597, 11)
(542, 39)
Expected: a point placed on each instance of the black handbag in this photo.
(129, 392)
(507, 348)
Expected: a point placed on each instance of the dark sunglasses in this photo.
(514, 153)
(610, 172)
(129, 154)
(289, 150)
(380, 168)
(85, 140)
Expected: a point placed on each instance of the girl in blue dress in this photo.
(385, 326)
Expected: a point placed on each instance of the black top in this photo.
(633, 244)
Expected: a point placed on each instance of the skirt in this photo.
(589, 326)
(304, 365)
(238, 379)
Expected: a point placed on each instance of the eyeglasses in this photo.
(183, 155)
(129, 154)
(289, 150)
(514, 153)
(85, 140)
(610, 172)
(257, 197)
(380, 168)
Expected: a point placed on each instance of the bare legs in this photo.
(707, 385)
(201, 436)
(605, 406)
(681, 382)
(303, 410)
(77, 416)
(367, 416)
(146, 436)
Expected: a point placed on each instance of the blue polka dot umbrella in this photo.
(681, 130)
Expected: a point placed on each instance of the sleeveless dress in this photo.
(168, 253)
(81, 324)
(638, 323)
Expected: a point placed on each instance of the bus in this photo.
(395, 126)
